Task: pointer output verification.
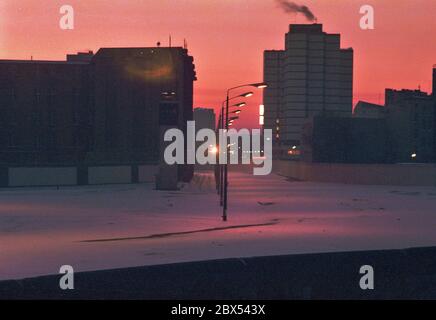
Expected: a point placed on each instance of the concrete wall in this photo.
(63, 176)
(368, 174)
(109, 175)
(24, 177)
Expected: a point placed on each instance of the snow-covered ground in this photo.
(101, 227)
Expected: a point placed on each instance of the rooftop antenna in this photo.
(185, 44)
(158, 44)
(170, 41)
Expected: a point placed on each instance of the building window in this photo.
(11, 140)
(76, 140)
(13, 118)
(36, 117)
(52, 140)
(76, 117)
(52, 117)
(13, 96)
(37, 97)
(37, 142)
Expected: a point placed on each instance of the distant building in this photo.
(204, 119)
(346, 140)
(369, 110)
(93, 109)
(311, 76)
(411, 122)
(404, 130)
(434, 82)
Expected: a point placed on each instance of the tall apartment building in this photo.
(310, 77)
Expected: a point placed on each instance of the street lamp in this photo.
(260, 85)
(223, 126)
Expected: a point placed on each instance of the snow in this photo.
(43, 229)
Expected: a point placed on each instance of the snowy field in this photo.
(102, 227)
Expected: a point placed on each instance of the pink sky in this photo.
(227, 37)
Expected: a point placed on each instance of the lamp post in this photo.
(226, 170)
(223, 126)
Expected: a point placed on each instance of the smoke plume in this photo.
(292, 7)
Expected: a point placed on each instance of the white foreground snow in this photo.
(42, 229)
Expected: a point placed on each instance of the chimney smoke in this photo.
(292, 7)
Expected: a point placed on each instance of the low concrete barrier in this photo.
(366, 174)
(110, 175)
(82, 175)
(47, 176)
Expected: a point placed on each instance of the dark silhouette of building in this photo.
(311, 76)
(403, 130)
(204, 119)
(93, 109)
(369, 110)
(346, 140)
(434, 82)
(411, 121)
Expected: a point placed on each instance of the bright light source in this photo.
(414, 155)
(213, 150)
(246, 95)
(294, 147)
(261, 85)
(261, 120)
(261, 110)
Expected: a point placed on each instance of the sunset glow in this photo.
(227, 38)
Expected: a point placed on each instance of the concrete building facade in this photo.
(90, 110)
(311, 76)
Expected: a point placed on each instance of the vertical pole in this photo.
(217, 165)
(221, 165)
(226, 170)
